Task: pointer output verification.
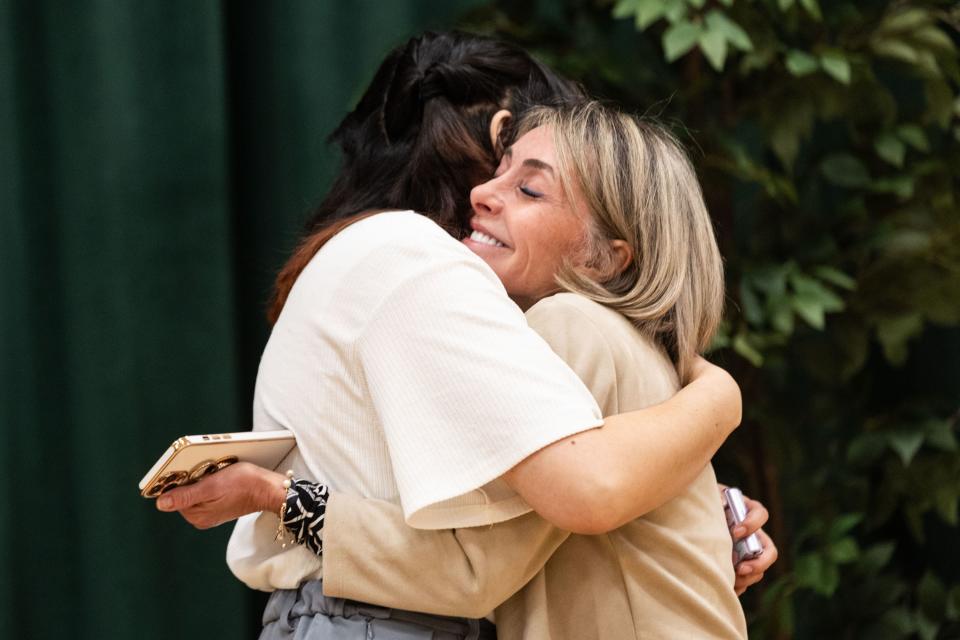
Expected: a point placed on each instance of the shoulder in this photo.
(570, 322)
(395, 230)
(571, 312)
(392, 247)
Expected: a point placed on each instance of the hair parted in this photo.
(639, 186)
(419, 136)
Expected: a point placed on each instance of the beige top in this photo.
(667, 574)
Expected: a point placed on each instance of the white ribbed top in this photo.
(407, 375)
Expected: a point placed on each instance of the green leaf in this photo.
(675, 10)
(780, 310)
(844, 170)
(894, 48)
(906, 20)
(932, 597)
(914, 136)
(844, 551)
(745, 349)
(772, 280)
(927, 629)
(810, 309)
(648, 12)
(625, 8)
(714, 47)
(940, 434)
(890, 148)
(813, 571)
(901, 186)
(836, 65)
(800, 63)
(718, 21)
(866, 449)
(893, 334)
(906, 444)
(807, 286)
(897, 623)
(679, 39)
(835, 277)
(875, 558)
(953, 603)
(813, 8)
(785, 4)
(945, 502)
(935, 38)
(844, 524)
(750, 305)
(697, 3)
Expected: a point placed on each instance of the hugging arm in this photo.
(370, 554)
(596, 481)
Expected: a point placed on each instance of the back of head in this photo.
(419, 136)
(639, 186)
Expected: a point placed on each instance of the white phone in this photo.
(192, 457)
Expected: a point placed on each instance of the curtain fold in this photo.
(156, 162)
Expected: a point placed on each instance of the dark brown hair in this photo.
(419, 137)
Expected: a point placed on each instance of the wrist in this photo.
(272, 492)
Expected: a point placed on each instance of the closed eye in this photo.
(530, 193)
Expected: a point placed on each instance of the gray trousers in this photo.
(306, 614)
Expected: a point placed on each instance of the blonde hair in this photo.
(640, 187)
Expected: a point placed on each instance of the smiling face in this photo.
(524, 226)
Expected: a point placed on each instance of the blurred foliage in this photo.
(827, 137)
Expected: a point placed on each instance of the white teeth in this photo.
(479, 236)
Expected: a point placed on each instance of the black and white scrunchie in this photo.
(306, 506)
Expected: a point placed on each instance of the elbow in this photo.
(594, 507)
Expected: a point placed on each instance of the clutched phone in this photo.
(191, 458)
(736, 511)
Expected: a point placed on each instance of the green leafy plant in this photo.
(827, 138)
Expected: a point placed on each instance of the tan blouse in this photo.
(667, 574)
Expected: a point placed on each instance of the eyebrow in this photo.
(531, 162)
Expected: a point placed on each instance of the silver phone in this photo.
(736, 510)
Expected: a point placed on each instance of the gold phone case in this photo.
(190, 458)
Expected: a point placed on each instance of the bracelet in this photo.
(304, 512)
(281, 536)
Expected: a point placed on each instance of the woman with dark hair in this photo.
(409, 376)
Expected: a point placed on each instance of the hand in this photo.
(750, 572)
(226, 495)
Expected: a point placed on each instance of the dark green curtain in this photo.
(156, 161)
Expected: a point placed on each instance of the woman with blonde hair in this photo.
(601, 231)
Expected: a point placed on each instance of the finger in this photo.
(757, 516)
(743, 583)
(182, 497)
(199, 517)
(762, 562)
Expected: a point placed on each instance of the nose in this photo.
(484, 198)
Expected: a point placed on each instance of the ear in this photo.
(496, 125)
(620, 254)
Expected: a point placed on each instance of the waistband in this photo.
(285, 605)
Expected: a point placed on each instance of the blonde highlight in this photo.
(640, 187)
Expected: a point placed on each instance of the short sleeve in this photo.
(463, 387)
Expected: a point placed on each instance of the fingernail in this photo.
(739, 532)
(164, 503)
(745, 569)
